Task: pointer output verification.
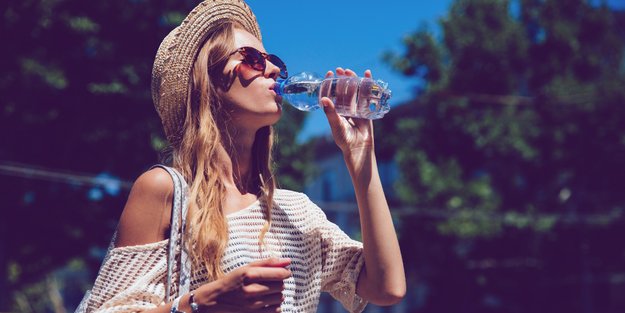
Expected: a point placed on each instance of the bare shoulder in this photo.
(147, 212)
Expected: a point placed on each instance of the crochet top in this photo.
(323, 258)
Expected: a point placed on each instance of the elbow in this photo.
(390, 295)
(397, 295)
(387, 290)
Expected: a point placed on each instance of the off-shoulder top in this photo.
(323, 258)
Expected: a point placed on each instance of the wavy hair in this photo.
(204, 131)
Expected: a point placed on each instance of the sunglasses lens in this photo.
(254, 59)
(277, 62)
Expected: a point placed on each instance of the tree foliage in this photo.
(512, 151)
(75, 85)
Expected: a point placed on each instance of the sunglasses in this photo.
(258, 60)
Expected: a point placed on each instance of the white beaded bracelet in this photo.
(174, 305)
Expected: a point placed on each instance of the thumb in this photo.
(330, 111)
(272, 262)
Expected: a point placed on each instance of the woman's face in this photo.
(249, 97)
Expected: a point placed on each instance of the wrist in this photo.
(358, 153)
(356, 158)
(358, 149)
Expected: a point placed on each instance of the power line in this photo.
(58, 176)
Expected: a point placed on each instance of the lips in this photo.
(272, 88)
(274, 92)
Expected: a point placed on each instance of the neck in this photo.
(236, 159)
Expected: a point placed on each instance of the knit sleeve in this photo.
(132, 279)
(342, 261)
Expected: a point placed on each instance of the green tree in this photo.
(293, 160)
(75, 85)
(510, 154)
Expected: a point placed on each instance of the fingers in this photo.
(263, 289)
(272, 269)
(272, 262)
(263, 302)
(254, 298)
(272, 299)
(256, 287)
(265, 296)
(264, 274)
(271, 308)
(231, 308)
(347, 72)
(344, 72)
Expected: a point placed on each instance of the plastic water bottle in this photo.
(352, 96)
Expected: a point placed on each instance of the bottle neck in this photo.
(278, 86)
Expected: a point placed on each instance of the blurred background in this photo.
(502, 156)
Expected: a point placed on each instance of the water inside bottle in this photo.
(352, 96)
(356, 97)
(303, 95)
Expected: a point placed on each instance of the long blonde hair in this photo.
(196, 156)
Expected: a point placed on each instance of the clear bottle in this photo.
(352, 96)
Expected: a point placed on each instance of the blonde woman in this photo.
(253, 247)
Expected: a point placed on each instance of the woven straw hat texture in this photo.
(177, 53)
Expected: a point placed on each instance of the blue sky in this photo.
(320, 35)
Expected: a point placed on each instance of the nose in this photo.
(272, 71)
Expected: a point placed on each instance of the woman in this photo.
(212, 87)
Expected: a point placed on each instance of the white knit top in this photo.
(323, 258)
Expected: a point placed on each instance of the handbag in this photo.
(176, 238)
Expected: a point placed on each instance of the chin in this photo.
(275, 117)
(276, 111)
(266, 118)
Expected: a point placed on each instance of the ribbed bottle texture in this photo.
(352, 96)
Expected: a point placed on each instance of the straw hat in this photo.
(177, 53)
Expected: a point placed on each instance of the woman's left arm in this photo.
(382, 280)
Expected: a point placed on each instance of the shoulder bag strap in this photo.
(178, 225)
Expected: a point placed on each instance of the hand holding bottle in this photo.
(349, 133)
